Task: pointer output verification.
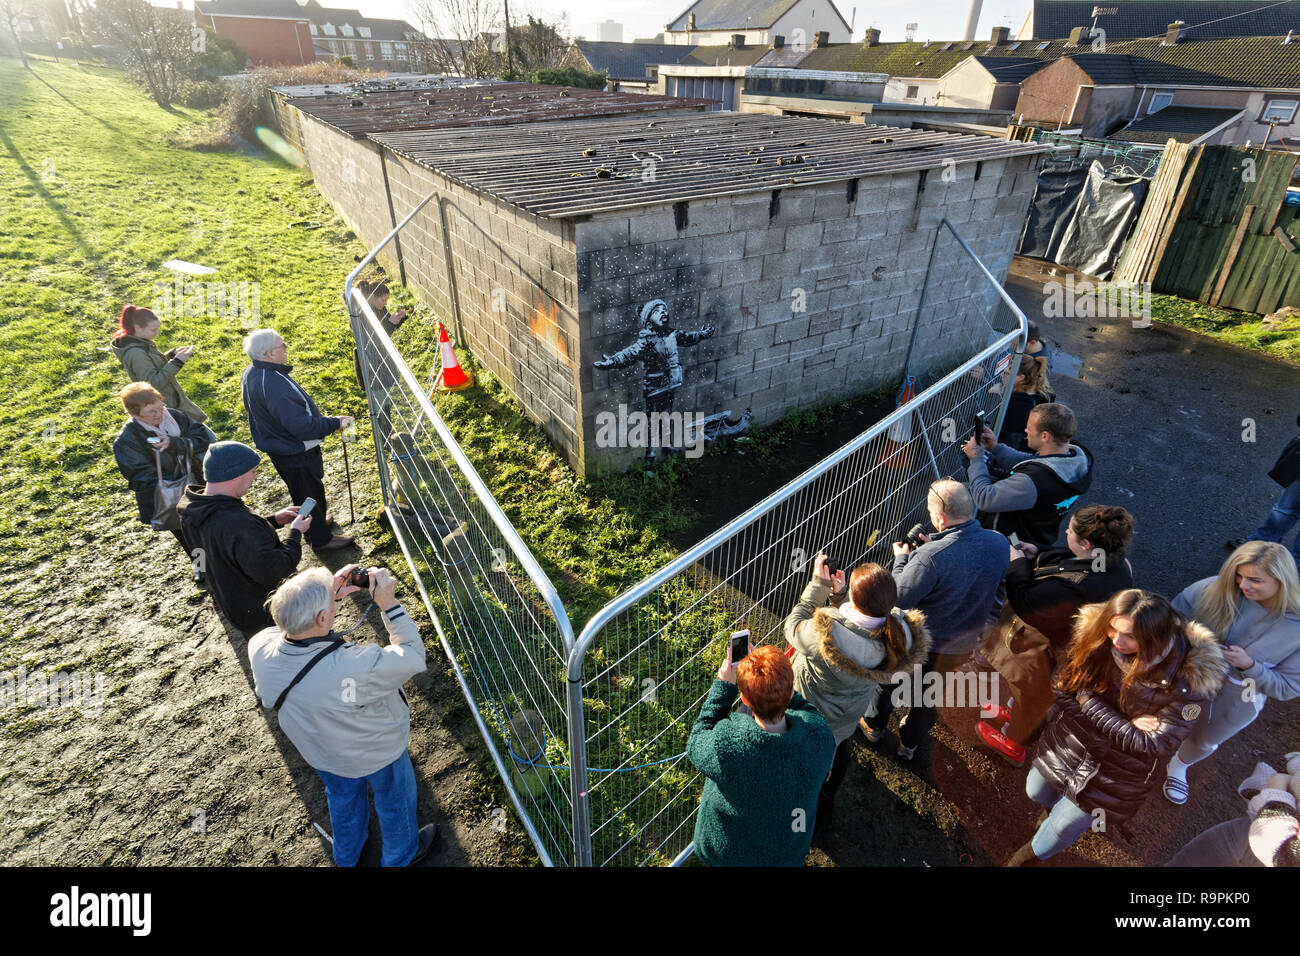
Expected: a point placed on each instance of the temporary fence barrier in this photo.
(589, 735)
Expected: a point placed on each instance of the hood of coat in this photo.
(1069, 468)
(124, 343)
(827, 620)
(200, 507)
(1202, 666)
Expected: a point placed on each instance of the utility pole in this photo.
(510, 56)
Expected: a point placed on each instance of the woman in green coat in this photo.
(133, 344)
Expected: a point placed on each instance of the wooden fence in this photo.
(1215, 229)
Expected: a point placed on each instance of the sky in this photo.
(936, 19)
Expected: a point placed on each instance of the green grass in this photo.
(1242, 329)
(98, 196)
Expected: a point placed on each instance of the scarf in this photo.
(168, 428)
(1125, 661)
(854, 616)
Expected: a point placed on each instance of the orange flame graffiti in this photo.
(545, 324)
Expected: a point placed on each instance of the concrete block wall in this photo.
(812, 291)
(511, 294)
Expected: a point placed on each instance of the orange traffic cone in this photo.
(452, 378)
(896, 452)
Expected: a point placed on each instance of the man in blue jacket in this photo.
(287, 425)
(955, 578)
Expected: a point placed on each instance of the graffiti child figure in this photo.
(656, 346)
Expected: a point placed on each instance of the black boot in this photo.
(1024, 856)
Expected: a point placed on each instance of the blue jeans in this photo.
(1285, 513)
(1064, 825)
(394, 788)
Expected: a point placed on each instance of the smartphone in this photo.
(1015, 541)
(832, 565)
(739, 645)
(305, 508)
(979, 425)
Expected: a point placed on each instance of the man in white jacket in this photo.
(342, 706)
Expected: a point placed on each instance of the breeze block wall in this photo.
(812, 291)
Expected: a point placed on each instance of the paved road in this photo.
(1162, 410)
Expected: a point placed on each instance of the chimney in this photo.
(778, 42)
(1000, 35)
(738, 41)
(973, 18)
(871, 37)
(690, 22)
(1174, 33)
(823, 39)
(1079, 35)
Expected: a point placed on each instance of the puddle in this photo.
(1063, 363)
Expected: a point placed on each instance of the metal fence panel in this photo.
(498, 617)
(646, 660)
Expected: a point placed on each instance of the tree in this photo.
(11, 10)
(160, 50)
(460, 37)
(539, 45)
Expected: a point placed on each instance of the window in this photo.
(347, 30)
(313, 29)
(1279, 111)
(1014, 47)
(328, 29)
(364, 31)
(912, 92)
(1044, 45)
(386, 51)
(946, 46)
(1159, 101)
(968, 45)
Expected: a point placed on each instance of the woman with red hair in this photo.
(763, 766)
(133, 344)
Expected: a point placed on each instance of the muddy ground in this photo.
(184, 767)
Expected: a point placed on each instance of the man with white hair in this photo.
(287, 425)
(954, 578)
(341, 704)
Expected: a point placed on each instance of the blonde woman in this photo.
(1253, 605)
(1028, 392)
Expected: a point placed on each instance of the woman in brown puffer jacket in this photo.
(1136, 678)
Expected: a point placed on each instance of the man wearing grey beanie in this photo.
(241, 553)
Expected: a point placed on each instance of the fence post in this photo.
(578, 765)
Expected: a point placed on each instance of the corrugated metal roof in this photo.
(382, 84)
(567, 169)
(488, 106)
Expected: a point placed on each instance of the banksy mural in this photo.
(658, 348)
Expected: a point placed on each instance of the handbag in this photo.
(167, 496)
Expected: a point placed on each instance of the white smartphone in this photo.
(739, 646)
(305, 508)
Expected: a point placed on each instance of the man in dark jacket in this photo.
(287, 425)
(954, 578)
(242, 554)
(1286, 510)
(1044, 481)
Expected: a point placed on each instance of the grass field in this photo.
(99, 196)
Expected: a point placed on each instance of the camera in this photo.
(913, 536)
(832, 565)
(359, 578)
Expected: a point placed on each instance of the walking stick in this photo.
(347, 470)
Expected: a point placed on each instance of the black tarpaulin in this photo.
(1060, 184)
(1105, 214)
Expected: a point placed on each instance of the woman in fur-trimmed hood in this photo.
(841, 654)
(1136, 678)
